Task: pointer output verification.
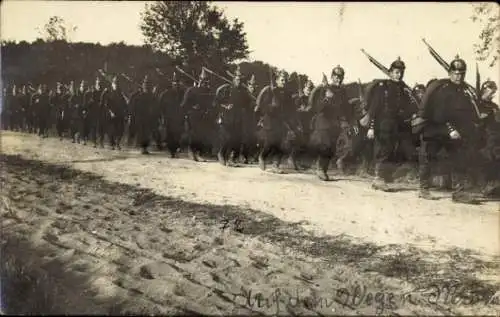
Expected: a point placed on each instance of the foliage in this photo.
(488, 14)
(57, 29)
(194, 33)
(48, 62)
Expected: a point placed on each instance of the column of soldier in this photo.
(317, 123)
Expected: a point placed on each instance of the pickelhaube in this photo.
(338, 71)
(458, 65)
(282, 74)
(310, 84)
(398, 64)
(489, 84)
(418, 87)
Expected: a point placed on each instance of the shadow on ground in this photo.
(402, 262)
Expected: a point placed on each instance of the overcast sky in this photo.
(310, 38)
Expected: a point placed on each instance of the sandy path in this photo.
(137, 252)
(348, 206)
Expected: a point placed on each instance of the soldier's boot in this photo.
(221, 158)
(340, 165)
(490, 188)
(447, 182)
(262, 162)
(192, 155)
(322, 169)
(424, 193)
(379, 183)
(461, 196)
(292, 161)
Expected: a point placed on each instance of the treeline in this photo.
(48, 62)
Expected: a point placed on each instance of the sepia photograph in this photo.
(240, 158)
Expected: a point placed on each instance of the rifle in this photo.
(187, 75)
(446, 66)
(385, 70)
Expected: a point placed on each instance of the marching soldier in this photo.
(491, 128)
(144, 106)
(389, 107)
(78, 114)
(249, 146)
(419, 91)
(303, 116)
(59, 103)
(332, 114)
(115, 104)
(448, 111)
(41, 105)
(95, 114)
(196, 105)
(232, 104)
(170, 102)
(271, 103)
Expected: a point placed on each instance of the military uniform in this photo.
(232, 103)
(41, 106)
(115, 105)
(95, 119)
(274, 122)
(59, 102)
(76, 103)
(448, 110)
(199, 123)
(490, 149)
(301, 124)
(170, 102)
(144, 106)
(389, 108)
(249, 146)
(332, 114)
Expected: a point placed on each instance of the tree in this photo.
(194, 33)
(488, 14)
(56, 29)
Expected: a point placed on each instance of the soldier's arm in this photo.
(376, 103)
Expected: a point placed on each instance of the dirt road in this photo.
(144, 234)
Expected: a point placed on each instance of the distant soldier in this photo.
(196, 105)
(389, 108)
(59, 102)
(41, 105)
(5, 109)
(233, 104)
(13, 108)
(170, 104)
(77, 108)
(271, 104)
(491, 129)
(448, 109)
(249, 146)
(332, 114)
(96, 115)
(302, 121)
(144, 106)
(114, 102)
(419, 91)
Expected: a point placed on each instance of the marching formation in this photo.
(387, 122)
